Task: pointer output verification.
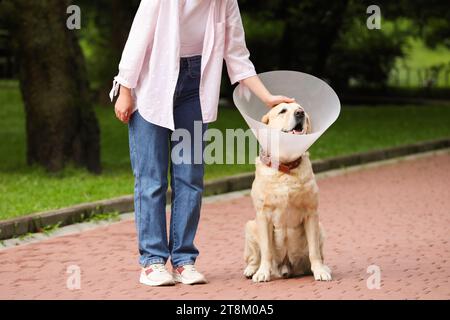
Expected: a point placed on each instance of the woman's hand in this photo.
(124, 105)
(272, 100)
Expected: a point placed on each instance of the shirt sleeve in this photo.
(237, 56)
(140, 36)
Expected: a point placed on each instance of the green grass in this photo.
(49, 229)
(107, 216)
(420, 57)
(25, 190)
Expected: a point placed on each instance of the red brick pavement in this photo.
(396, 216)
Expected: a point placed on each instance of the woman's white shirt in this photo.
(151, 58)
(193, 17)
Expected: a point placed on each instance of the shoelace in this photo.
(158, 267)
(190, 267)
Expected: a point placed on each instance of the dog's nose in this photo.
(299, 113)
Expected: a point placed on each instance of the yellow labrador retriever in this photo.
(286, 237)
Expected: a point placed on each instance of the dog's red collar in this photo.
(283, 167)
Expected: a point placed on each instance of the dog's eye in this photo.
(282, 111)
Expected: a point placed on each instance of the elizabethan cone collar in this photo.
(318, 99)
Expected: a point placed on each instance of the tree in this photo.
(432, 17)
(312, 28)
(61, 125)
(328, 39)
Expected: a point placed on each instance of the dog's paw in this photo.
(284, 271)
(262, 275)
(322, 273)
(250, 271)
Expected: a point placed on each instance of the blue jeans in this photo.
(150, 150)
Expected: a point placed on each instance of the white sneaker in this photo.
(187, 274)
(156, 275)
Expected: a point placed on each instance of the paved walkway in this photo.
(395, 216)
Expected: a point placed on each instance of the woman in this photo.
(170, 73)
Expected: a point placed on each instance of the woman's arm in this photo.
(140, 36)
(236, 54)
(258, 88)
(237, 57)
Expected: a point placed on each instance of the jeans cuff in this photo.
(153, 261)
(183, 263)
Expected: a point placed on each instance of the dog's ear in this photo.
(265, 118)
(308, 124)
